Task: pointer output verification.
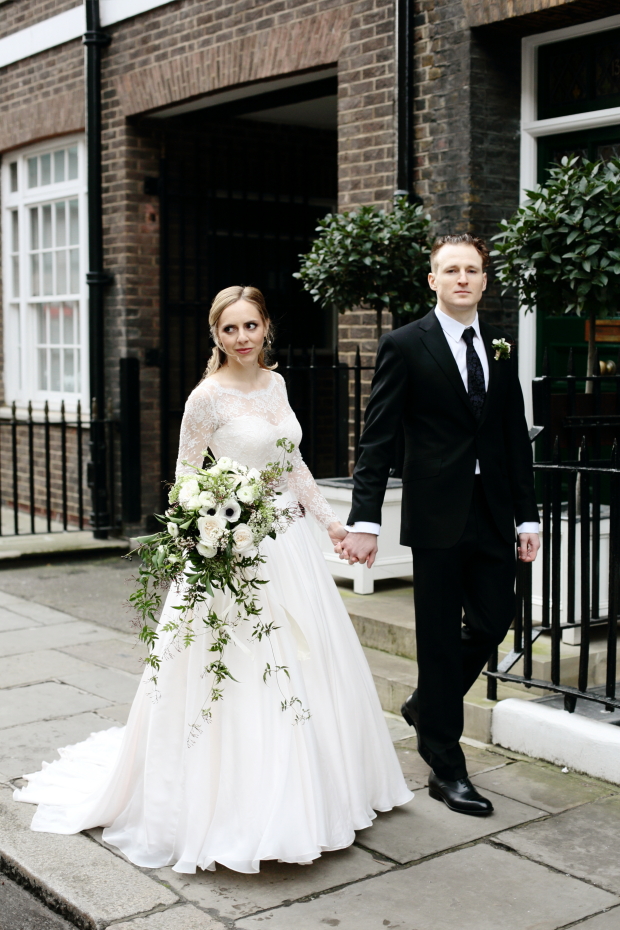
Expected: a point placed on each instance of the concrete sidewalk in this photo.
(546, 860)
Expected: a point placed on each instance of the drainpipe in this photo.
(97, 279)
(404, 100)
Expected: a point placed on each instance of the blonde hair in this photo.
(224, 299)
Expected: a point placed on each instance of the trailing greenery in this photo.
(561, 249)
(372, 258)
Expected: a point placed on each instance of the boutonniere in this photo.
(502, 349)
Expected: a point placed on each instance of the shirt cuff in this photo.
(361, 527)
(528, 528)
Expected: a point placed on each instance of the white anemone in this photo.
(230, 510)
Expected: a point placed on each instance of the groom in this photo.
(467, 481)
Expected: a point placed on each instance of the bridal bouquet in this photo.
(217, 519)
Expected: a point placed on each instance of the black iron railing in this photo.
(576, 527)
(43, 471)
(326, 395)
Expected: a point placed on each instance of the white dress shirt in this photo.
(453, 331)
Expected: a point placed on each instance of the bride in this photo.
(254, 784)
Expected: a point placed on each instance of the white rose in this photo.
(193, 503)
(224, 463)
(214, 470)
(246, 494)
(173, 529)
(189, 489)
(254, 474)
(230, 510)
(207, 552)
(210, 529)
(243, 539)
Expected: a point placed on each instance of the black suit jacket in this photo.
(417, 387)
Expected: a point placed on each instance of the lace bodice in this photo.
(246, 427)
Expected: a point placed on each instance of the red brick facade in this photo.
(467, 88)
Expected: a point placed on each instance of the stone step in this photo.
(396, 677)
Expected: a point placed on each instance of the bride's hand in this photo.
(336, 532)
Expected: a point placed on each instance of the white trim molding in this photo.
(532, 129)
(67, 26)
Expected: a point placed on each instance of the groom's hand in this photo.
(529, 544)
(358, 547)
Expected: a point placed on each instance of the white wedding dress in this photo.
(254, 784)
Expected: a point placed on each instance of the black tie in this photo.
(475, 374)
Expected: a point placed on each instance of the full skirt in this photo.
(252, 784)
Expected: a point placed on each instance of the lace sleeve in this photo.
(304, 487)
(197, 427)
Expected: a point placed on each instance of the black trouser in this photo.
(476, 576)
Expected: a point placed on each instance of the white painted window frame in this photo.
(24, 356)
(531, 129)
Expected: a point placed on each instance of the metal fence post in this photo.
(130, 440)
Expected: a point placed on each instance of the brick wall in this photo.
(19, 14)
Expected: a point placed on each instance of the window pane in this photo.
(16, 340)
(32, 172)
(14, 231)
(61, 272)
(42, 366)
(46, 169)
(53, 312)
(74, 228)
(73, 163)
(34, 228)
(69, 370)
(48, 285)
(54, 370)
(61, 224)
(74, 287)
(59, 166)
(47, 226)
(41, 325)
(35, 287)
(13, 170)
(68, 335)
(15, 272)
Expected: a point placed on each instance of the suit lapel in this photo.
(435, 341)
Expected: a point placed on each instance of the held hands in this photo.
(529, 544)
(358, 547)
(337, 533)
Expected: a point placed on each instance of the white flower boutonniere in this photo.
(502, 349)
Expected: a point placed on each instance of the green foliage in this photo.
(372, 258)
(564, 242)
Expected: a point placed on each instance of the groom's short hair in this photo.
(462, 239)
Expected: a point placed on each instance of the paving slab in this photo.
(116, 713)
(543, 786)
(44, 702)
(452, 893)
(416, 770)
(90, 588)
(22, 911)
(124, 653)
(582, 841)
(39, 612)
(44, 665)
(76, 872)
(397, 727)
(50, 637)
(12, 621)
(423, 827)
(229, 894)
(24, 748)
(110, 683)
(610, 920)
(185, 917)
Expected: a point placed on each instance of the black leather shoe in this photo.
(460, 796)
(410, 715)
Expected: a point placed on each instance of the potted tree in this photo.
(371, 258)
(562, 247)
